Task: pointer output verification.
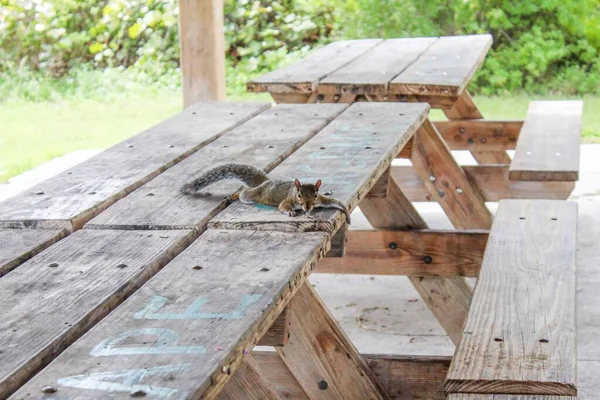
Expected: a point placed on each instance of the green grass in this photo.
(36, 132)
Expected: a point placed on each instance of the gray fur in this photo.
(249, 175)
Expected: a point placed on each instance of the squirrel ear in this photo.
(297, 183)
(318, 184)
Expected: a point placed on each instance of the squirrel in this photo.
(289, 197)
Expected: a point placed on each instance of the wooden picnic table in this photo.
(437, 70)
(117, 286)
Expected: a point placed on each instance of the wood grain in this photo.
(264, 141)
(446, 181)
(479, 134)
(491, 181)
(302, 77)
(54, 298)
(371, 72)
(520, 333)
(507, 397)
(349, 156)
(279, 332)
(186, 331)
(248, 383)
(277, 373)
(19, 245)
(338, 242)
(448, 298)
(465, 109)
(549, 144)
(202, 47)
(403, 377)
(380, 188)
(413, 253)
(320, 355)
(445, 68)
(73, 197)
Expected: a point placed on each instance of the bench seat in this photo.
(548, 145)
(520, 334)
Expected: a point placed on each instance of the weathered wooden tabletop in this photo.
(429, 66)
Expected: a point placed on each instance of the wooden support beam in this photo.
(339, 242)
(406, 151)
(321, 357)
(412, 253)
(491, 181)
(290, 98)
(464, 396)
(465, 108)
(279, 333)
(446, 181)
(202, 50)
(380, 188)
(520, 334)
(479, 134)
(248, 383)
(447, 298)
(403, 377)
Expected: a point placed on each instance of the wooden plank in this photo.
(446, 181)
(72, 198)
(371, 72)
(279, 332)
(479, 134)
(520, 333)
(465, 109)
(380, 188)
(445, 68)
(290, 98)
(349, 156)
(19, 245)
(202, 47)
(264, 142)
(320, 355)
(302, 77)
(447, 298)
(277, 373)
(403, 377)
(413, 253)
(52, 299)
(491, 181)
(186, 331)
(548, 147)
(338, 242)
(248, 383)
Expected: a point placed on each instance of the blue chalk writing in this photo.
(194, 311)
(164, 344)
(128, 381)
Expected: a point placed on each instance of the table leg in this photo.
(465, 108)
(248, 383)
(447, 298)
(321, 357)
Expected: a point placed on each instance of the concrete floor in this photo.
(384, 314)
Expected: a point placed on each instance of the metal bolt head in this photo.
(138, 393)
(427, 259)
(393, 245)
(462, 130)
(483, 140)
(459, 190)
(432, 178)
(48, 389)
(53, 265)
(323, 385)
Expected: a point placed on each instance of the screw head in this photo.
(432, 178)
(53, 265)
(393, 245)
(323, 385)
(459, 190)
(138, 393)
(48, 389)
(427, 259)
(462, 130)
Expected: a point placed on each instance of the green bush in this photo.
(540, 45)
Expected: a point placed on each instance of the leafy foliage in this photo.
(540, 45)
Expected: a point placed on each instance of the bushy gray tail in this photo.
(251, 176)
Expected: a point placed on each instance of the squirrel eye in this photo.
(299, 195)
(316, 195)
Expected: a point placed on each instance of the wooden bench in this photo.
(548, 145)
(520, 333)
(19, 245)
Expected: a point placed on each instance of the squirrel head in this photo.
(307, 194)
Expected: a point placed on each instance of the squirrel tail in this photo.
(251, 176)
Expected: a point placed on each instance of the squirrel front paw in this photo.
(292, 213)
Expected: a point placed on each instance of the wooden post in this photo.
(202, 50)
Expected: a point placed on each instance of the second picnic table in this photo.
(437, 71)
